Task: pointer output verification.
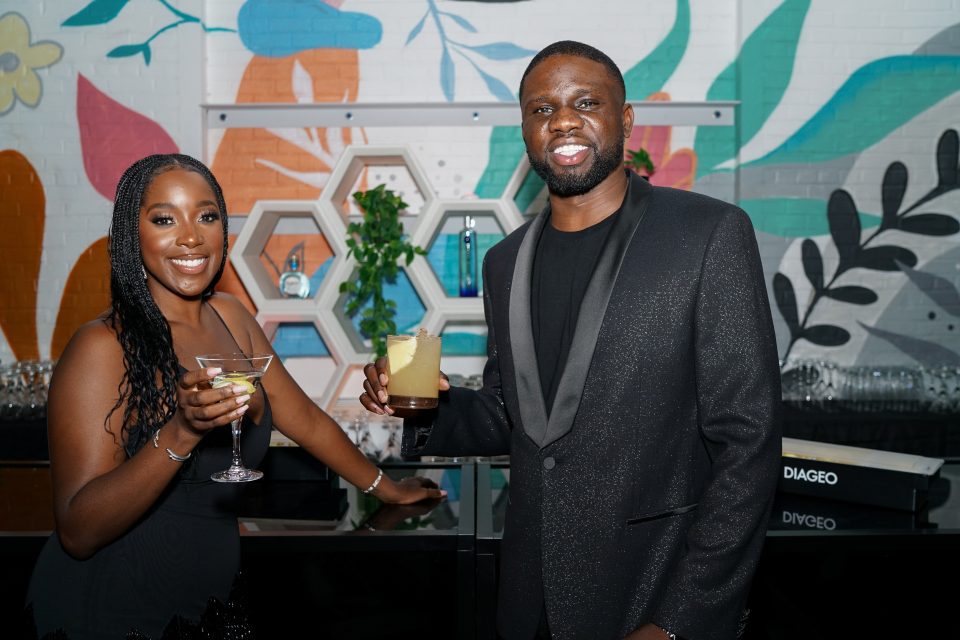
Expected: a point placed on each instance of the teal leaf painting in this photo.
(496, 51)
(529, 189)
(127, 50)
(877, 99)
(506, 151)
(795, 217)
(495, 86)
(279, 28)
(97, 12)
(448, 75)
(102, 11)
(500, 51)
(758, 77)
(650, 74)
(463, 22)
(417, 29)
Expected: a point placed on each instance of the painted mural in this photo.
(845, 153)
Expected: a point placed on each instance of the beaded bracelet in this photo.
(170, 454)
(376, 482)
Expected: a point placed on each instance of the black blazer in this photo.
(645, 496)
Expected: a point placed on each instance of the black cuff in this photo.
(416, 432)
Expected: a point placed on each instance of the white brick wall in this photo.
(189, 69)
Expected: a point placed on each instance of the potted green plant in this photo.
(640, 160)
(378, 244)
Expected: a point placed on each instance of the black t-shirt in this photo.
(562, 268)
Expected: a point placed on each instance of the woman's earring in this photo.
(144, 269)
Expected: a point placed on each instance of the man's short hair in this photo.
(581, 50)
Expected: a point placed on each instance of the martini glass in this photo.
(246, 371)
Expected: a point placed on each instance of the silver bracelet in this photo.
(170, 454)
(376, 482)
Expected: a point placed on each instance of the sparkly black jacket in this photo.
(645, 496)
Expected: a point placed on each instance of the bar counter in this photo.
(318, 553)
(829, 569)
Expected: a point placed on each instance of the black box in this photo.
(853, 474)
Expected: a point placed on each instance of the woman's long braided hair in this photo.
(151, 368)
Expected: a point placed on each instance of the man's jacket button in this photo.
(549, 463)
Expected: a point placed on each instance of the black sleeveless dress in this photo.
(160, 575)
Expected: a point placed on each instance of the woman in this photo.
(143, 538)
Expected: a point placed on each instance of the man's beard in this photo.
(577, 184)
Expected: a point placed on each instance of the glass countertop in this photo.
(793, 516)
(341, 513)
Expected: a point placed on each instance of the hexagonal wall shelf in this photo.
(464, 338)
(441, 307)
(308, 351)
(445, 219)
(350, 167)
(347, 353)
(257, 232)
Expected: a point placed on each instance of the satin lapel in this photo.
(533, 410)
(592, 310)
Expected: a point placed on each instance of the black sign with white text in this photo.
(863, 485)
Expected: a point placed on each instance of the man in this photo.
(631, 375)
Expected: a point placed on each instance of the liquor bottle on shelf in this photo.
(294, 283)
(468, 258)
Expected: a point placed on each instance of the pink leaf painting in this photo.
(113, 137)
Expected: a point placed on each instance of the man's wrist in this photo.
(668, 633)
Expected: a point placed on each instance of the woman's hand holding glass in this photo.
(202, 408)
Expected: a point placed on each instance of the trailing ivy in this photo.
(378, 244)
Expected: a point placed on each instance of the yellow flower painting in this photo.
(19, 60)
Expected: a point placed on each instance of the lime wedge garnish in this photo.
(240, 380)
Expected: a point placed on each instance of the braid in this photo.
(151, 367)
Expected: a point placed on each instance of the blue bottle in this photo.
(468, 259)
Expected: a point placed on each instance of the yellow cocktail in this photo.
(414, 370)
(244, 371)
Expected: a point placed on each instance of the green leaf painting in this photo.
(500, 50)
(758, 77)
(127, 50)
(650, 74)
(795, 217)
(448, 46)
(877, 99)
(97, 12)
(506, 150)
